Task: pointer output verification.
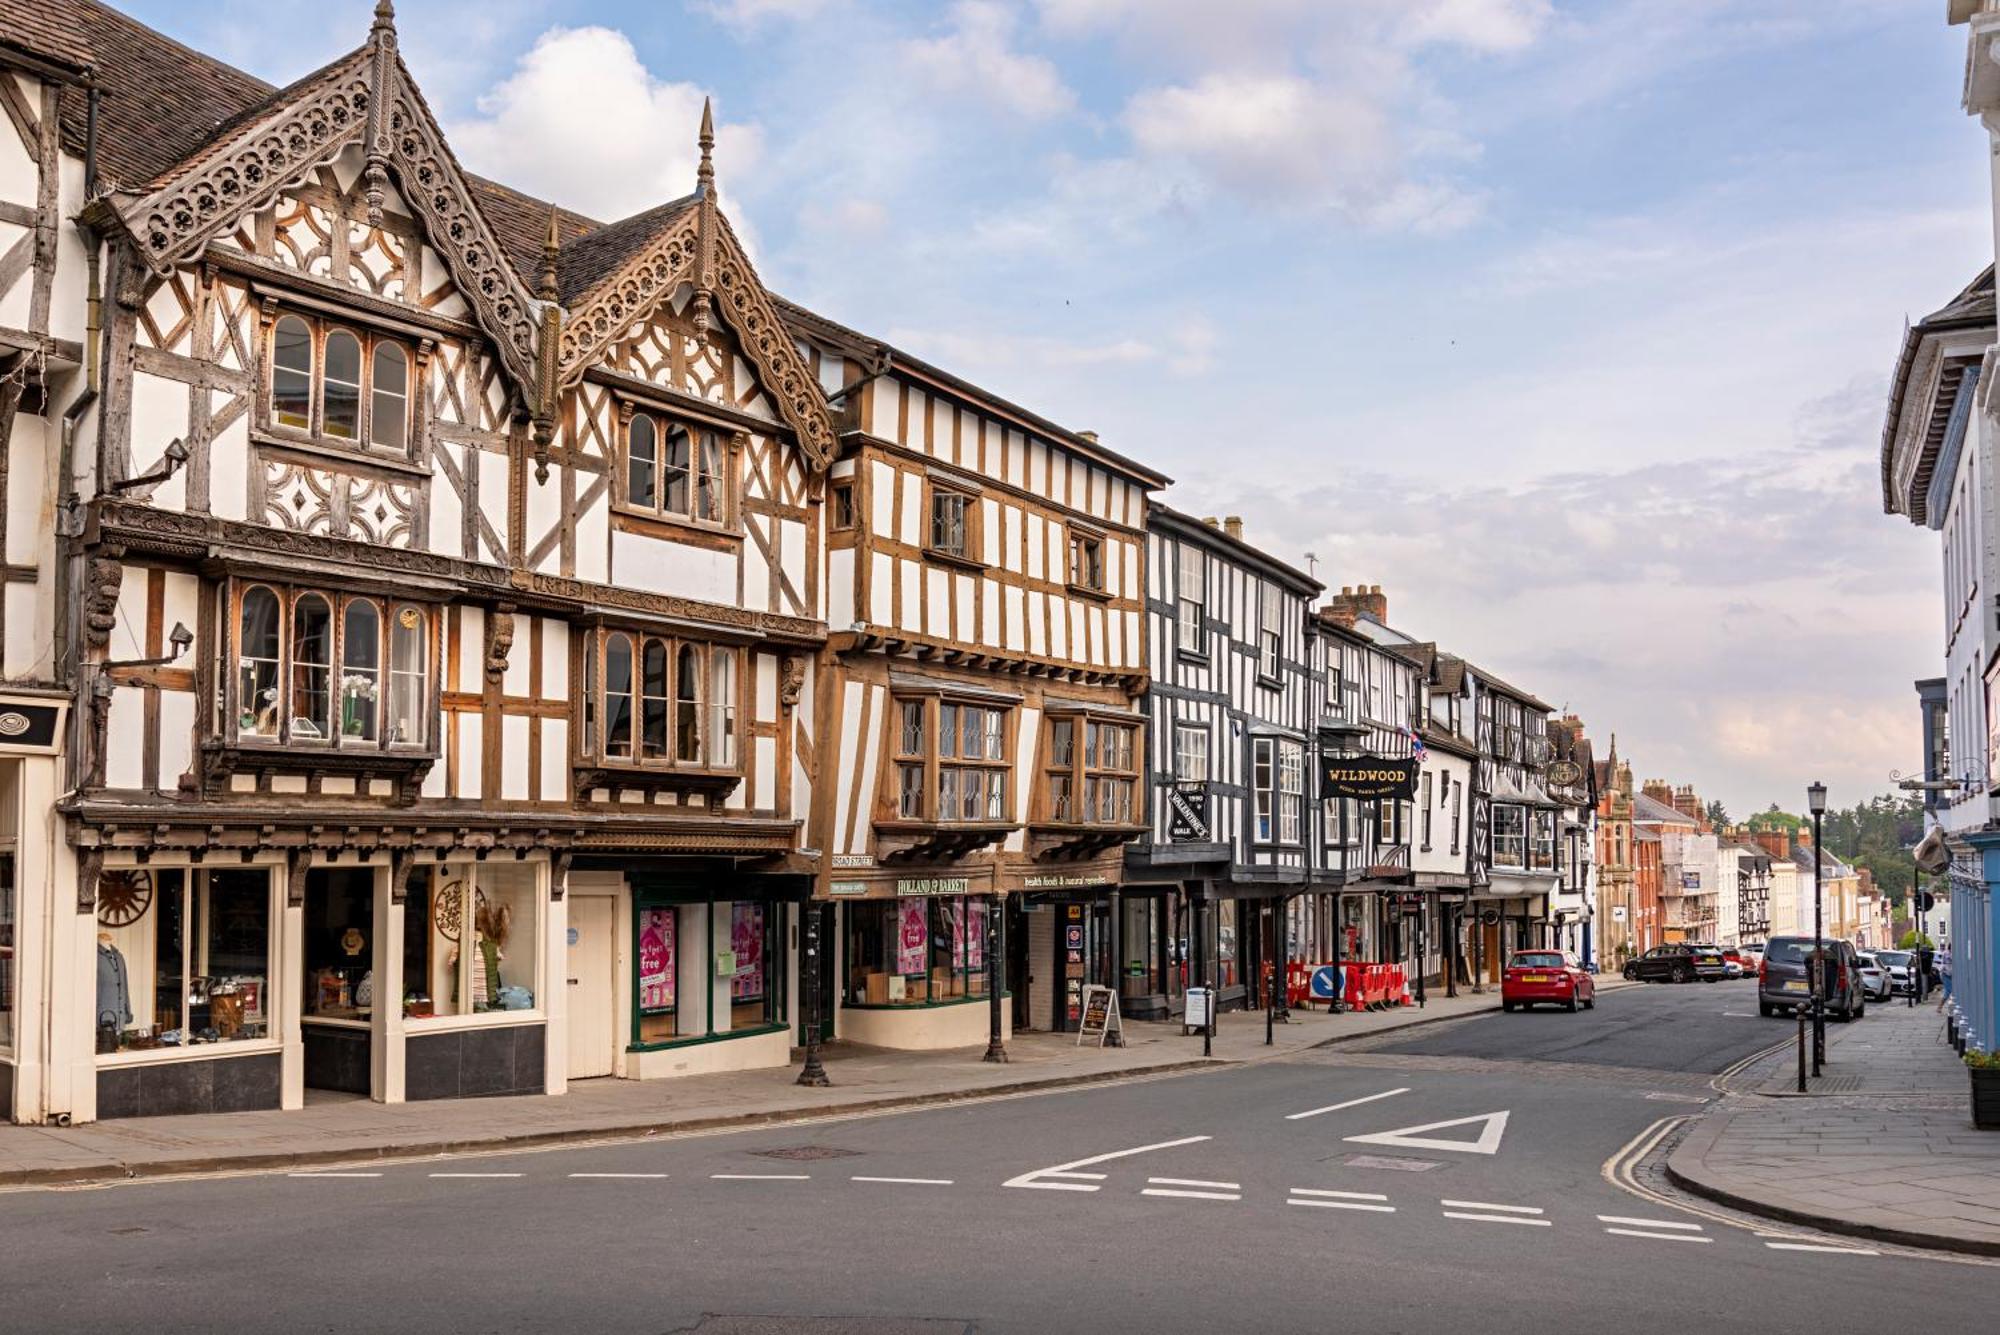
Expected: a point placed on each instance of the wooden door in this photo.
(593, 1011)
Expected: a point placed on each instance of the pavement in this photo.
(1881, 1146)
(341, 1128)
(1331, 1186)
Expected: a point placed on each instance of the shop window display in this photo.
(734, 948)
(917, 951)
(471, 939)
(339, 944)
(1226, 973)
(183, 957)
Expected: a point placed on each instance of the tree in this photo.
(1879, 834)
(1717, 816)
(1912, 941)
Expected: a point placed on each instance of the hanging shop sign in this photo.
(29, 725)
(1367, 778)
(1187, 814)
(1564, 773)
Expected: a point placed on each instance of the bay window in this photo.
(656, 701)
(950, 760)
(1544, 849)
(1291, 790)
(1510, 835)
(1091, 770)
(339, 385)
(310, 668)
(1278, 771)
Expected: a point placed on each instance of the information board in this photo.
(1100, 1017)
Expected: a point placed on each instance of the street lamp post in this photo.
(1816, 803)
(996, 976)
(814, 1074)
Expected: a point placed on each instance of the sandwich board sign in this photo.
(1100, 1017)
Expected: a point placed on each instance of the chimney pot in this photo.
(1233, 526)
(1090, 436)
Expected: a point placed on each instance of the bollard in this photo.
(1800, 1011)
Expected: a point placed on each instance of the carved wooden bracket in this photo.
(400, 866)
(499, 641)
(559, 877)
(101, 582)
(792, 680)
(296, 866)
(89, 866)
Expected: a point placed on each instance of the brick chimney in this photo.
(1233, 526)
(1659, 791)
(1775, 842)
(1689, 805)
(1358, 600)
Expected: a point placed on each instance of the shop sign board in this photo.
(1564, 773)
(934, 885)
(1100, 1017)
(1197, 1014)
(848, 887)
(1690, 880)
(1060, 882)
(849, 861)
(1187, 813)
(1367, 778)
(30, 725)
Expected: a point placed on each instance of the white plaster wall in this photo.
(923, 1028)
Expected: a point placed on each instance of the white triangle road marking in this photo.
(1494, 1126)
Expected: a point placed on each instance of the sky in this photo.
(1568, 322)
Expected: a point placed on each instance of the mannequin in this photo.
(114, 992)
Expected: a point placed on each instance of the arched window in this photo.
(675, 497)
(653, 700)
(257, 664)
(389, 403)
(722, 708)
(641, 461)
(687, 705)
(360, 672)
(312, 668)
(708, 479)
(618, 697)
(291, 373)
(408, 662)
(342, 386)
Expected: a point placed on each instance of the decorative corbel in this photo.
(499, 641)
(401, 864)
(792, 680)
(102, 579)
(559, 877)
(89, 867)
(296, 867)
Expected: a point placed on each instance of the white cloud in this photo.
(976, 59)
(998, 359)
(628, 146)
(749, 14)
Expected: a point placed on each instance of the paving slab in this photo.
(1883, 1147)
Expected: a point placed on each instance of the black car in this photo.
(1678, 963)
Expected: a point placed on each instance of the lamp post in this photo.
(813, 1074)
(1816, 803)
(996, 1051)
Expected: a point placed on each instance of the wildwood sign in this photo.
(1367, 777)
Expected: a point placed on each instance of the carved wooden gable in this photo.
(666, 348)
(290, 172)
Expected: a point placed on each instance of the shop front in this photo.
(1081, 928)
(33, 861)
(915, 956)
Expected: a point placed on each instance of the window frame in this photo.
(1519, 837)
(319, 329)
(390, 612)
(593, 745)
(1084, 770)
(1196, 629)
(843, 506)
(933, 762)
(1270, 632)
(1090, 546)
(1182, 730)
(662, 424)
(1424, 810)
(970, 547)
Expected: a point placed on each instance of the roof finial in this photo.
(385, 18)
(551, 249)
(705, 174)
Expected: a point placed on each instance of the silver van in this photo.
(1784, 980)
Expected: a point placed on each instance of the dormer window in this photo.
(311, 669)
(675, 470)
(340, 385)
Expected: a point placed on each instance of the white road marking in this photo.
(644, 1175)
(1494, 1126)
(1658, 1237)
(1194, 1182)
(908, 1181)
(475, 1174)
(1342, 1205)
(1032, 1181)
(1646, 1223)
(1336, 1107)
(1489, 1205)
(1343, 1195)
(1497, 1219)
(1815, 1247)
(333, 1175)
(1191, 1195)
(760, 1177)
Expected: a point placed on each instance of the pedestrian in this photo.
(1944, 974)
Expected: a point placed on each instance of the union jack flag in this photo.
(1418, 751)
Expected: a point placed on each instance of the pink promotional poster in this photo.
(912, 936)
(746, 938)
(656, 959)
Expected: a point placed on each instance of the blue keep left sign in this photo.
(1326, 982)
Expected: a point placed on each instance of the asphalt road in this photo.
(1305, 1194)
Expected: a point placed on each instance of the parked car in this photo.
(1679, 963)
(1900, 965)
(1785, 982)
(1546, 976)
(1753, 956)
(1732, 962)
(1874, 978)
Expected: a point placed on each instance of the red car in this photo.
(1546, 975)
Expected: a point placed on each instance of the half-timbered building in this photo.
(1232, 830)
(1516, 824)
(439, 575)
(983, 742)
